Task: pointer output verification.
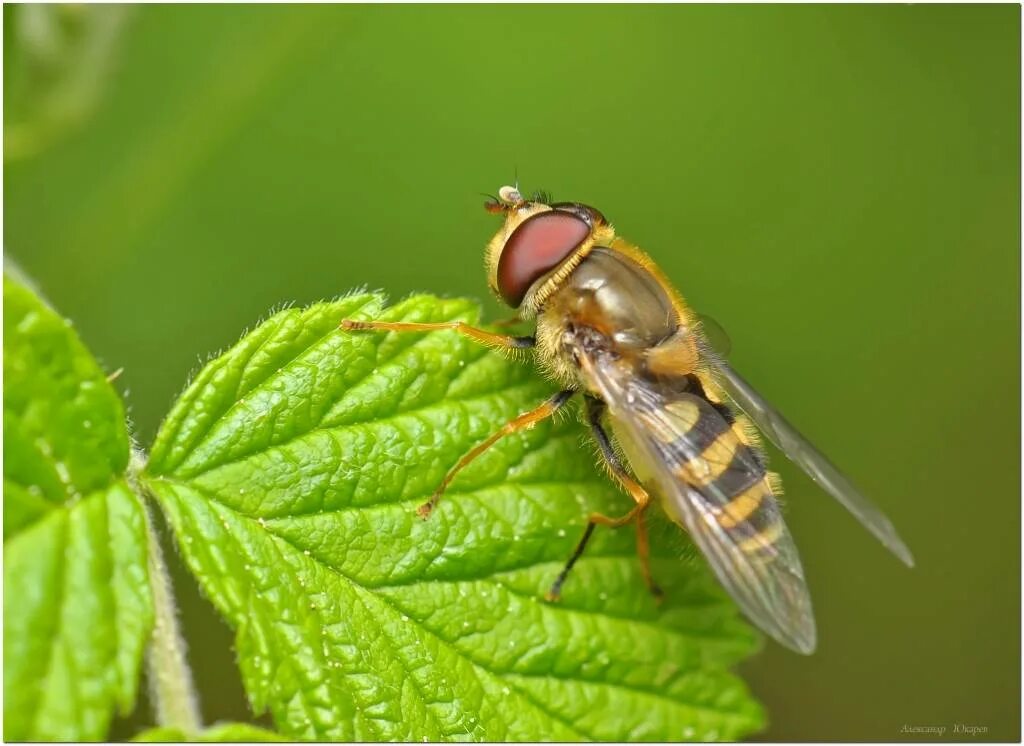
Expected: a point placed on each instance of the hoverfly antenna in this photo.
(510, 195)
(493, 204)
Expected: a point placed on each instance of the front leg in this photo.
(523, 422)
(477, 335)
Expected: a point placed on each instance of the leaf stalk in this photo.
(172, 689)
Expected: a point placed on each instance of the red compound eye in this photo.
(537, 246)
(588, 213)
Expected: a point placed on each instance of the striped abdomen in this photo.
(719, 462)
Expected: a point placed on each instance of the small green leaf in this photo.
(77, 605)
(290, 471)
(220, 733)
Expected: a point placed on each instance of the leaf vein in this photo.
(204, 435)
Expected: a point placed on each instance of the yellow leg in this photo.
(643, 550)
(622, 520)
(640, 496)
(522, 422)
(595, 519)
(472, 332)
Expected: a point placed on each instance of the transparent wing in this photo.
(715, 335)
(754, 558)
(799, 450)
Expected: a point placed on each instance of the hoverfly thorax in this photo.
(538, 246)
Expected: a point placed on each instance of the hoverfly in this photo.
(610, 327)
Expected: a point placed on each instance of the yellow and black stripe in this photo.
(713, 456)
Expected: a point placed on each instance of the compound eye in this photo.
(537, 246)
(588, 213)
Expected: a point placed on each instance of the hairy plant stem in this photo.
(172, 690)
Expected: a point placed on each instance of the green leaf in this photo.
(220, 733)
(77, 605)
(290, 471)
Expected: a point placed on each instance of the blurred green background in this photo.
(837, 185)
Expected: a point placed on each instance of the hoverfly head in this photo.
(536, 238)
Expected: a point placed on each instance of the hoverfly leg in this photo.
(522, 422)
(595, 408)
(643, 550)
(477, 335)
(555, 593)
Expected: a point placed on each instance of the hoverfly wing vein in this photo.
(801, 451)
(667, 437)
